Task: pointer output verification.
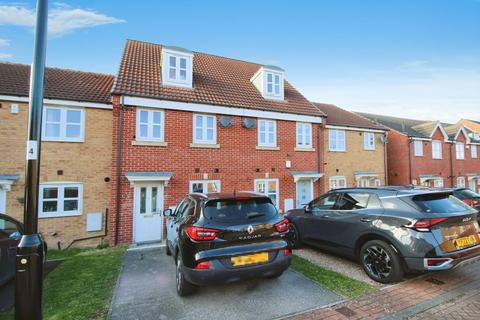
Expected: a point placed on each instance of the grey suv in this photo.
(390, 230)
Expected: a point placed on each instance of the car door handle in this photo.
(325, 216)
(366, 220)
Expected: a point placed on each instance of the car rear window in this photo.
(239, 210)
(467, 194)
(440, 203)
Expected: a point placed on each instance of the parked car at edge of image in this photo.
(389, 230)
(468, 196)
(11, 232)
(226, 237)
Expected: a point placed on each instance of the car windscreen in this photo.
(467, 194)
(439, 203)
(239, 210)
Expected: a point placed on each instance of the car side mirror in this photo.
(168, 213)
(16, 235)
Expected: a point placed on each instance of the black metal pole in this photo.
(30, 250)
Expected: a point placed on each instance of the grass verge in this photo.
(81, 287)
(334, 281)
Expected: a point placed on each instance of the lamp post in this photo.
(29, 262)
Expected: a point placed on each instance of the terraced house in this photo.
(76, 151)
(193, 122)
(430, 153)
(355, 153)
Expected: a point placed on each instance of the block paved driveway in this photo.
(146, 290)
(454, 294)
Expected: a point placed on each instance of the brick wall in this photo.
(356, 158)
(88, 162)
(237, 161)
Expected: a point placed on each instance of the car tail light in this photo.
(203, 265)
(426, 224)
(201, 234)
(287, 252)
(469, 202)
(282, 226)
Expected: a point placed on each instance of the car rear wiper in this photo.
(255, 214)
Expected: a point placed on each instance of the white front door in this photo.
(148, 212)
(304, 192)
(3, 201)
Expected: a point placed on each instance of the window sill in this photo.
(267, 148)
(61, 140)
(58, 215)
(203, 145)
(369, 149)
(149, 143)
(304, 149)
(337, 151)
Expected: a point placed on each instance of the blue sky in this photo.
(414, 58)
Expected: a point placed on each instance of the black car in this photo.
(226, 237)
(11, 232)
(468, 196)
(390, 230)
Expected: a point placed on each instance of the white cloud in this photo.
(414, 89)
(3, 44)
(62, 19)
(5, 56)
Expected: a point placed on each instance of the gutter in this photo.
(119, 166)
(385, 159)
(319, 158)
(410, 160)
(451, 166)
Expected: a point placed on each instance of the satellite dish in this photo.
(249, 123)
(226, 122)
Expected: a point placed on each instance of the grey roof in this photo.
(149, 174)
(13, 177)
(402, 125)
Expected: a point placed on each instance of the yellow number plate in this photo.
(465, 242)
(250, 259)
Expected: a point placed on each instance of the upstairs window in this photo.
(204, 129)
(273, 84)
(63, 124)
(473, 151)
(436, 149)
(177, 67)
(269, 81)
(336, 140)
(304, 135)
(369, 141)
(150, 124)
(267, 133)
(418, 148)
(460, 151)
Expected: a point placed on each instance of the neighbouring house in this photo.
(187, 121)
(354, 148)
(429, 153)
(76, 151)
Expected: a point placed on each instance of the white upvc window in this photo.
(304, 135)
(204, 129)
(369, 141)
(274, 85)
(63, 124)
(150, 125)
(336, 140)
(418, 148)
(205, 186)
(177, 68)
(473, 151)
(460, 150)
(267, 133)
(461, 182)
(337, 182)
(436, 149)
(378, 182)
(59, 200)
(269, 187)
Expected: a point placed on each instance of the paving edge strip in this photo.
(429, 304)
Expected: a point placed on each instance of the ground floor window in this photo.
(433, 183)
(461, 182)
(56, 200)
(205, 186)
(378, 182)
(337, 182)
(268, 187)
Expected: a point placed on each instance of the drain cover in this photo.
(435, 281)
(347, 312)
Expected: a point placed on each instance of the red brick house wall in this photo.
(237, 161)
(469, 165)
(397, 158)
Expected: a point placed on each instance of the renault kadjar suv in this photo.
(390, 230)
(226, 237)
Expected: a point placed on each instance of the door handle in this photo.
(366, 220)
(325, 216)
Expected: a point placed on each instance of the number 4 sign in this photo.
(32, 150)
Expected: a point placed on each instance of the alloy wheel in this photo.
(377, 261)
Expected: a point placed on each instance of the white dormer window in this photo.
(177, 67)
(269, 81)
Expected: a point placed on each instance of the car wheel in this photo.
(167, 250)
(294, 236)
(381, 262)
(184, 288)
